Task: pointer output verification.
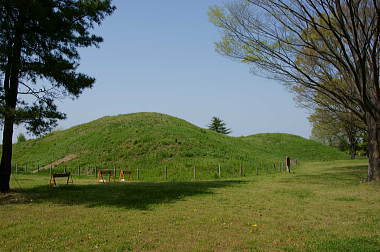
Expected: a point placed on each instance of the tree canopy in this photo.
(342, 130)
(311, 44)
(39, 60)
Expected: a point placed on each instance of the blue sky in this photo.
(158, 56)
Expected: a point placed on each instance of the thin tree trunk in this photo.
(351, 132)
(353, 151)
(352, 142)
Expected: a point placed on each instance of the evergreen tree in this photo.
(219, 126)
(39, 60)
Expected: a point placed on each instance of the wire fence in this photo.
(165, 172)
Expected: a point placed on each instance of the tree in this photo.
(219, 126)
(39, 59)
(342, 130)
(340, 38)
(332, 122)
(327, 136)
(21, 138)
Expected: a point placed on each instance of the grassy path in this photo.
(322, 207)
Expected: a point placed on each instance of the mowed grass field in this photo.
(323, 206)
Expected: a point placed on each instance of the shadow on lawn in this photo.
(332, 176)
(134, 195)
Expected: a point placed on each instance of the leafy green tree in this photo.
(342, 130)
(340, 38)
(39, 62)
(337, 124)
(21, 138)
(333, 123)
(219, 126)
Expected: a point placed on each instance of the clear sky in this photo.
(158, 56)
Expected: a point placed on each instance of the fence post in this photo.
(78, 170)
(219, 171)
(166, 173)
(195, 172)
(51, 170)
(138, 173)
(287, 164)
(257, 170)
(241, 169)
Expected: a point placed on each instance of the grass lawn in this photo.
(322, 207)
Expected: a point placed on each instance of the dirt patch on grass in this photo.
(58, 162)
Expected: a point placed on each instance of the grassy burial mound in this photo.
(280, 145)
(153, 141)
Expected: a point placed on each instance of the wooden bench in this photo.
(53, 176)
(100, 178)
(123, 173)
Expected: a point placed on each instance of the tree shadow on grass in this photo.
(134, 195)
(332, 176)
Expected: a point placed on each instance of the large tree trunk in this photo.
(9, 116)
(11, 83)
(373, 148)
(6, 157)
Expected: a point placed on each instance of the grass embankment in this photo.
(280, 145)
(322, 207)
(152, 141)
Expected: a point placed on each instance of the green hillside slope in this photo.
(280, 144)
(149, 140)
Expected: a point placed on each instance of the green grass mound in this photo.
(148, 140)
(280, 145)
